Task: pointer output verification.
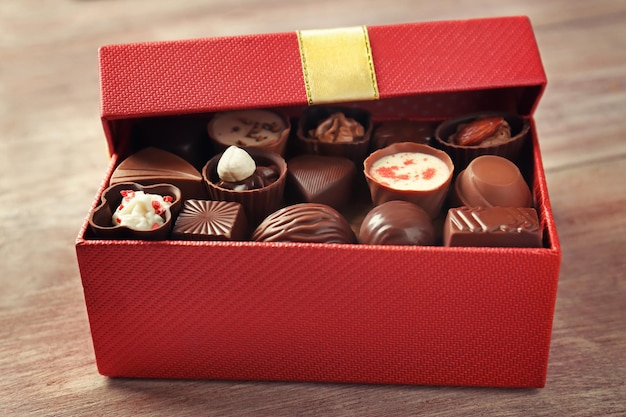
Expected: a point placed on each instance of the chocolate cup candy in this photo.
(224, 119)
(313, 116)
(430, 200)
(490, 181)
(463, 155)
(257, 203)
(100, 219)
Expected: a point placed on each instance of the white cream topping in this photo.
(410, 171)
(141, 211)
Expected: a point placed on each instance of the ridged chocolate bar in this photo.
(492, 226)
(210, 220)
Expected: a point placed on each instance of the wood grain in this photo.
(52, 159)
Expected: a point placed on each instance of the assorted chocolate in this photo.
(463, 175)
(260, 194)
(411, 172)
(492, 226)
(156, 166)
(210, 220)
(261, 129)
(335, 131)
(133, 211)
(490, 181)
(467, 137)
(305, 222)
(397, 223)
(321, 179)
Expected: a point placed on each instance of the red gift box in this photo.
(324, 312)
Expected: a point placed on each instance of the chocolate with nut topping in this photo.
(485, 131)
(238, 171)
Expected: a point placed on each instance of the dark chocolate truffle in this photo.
(397, 223)
(321, 179)
(492, 226)
(305, 222)
(210, 220)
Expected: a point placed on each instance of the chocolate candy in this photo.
(489, 133)
(305, 222)
(107, 220)
(490, 181)
(321, 179)
(397, 223)
(492, 226)
(257, 202)
(261, 129)
(395, 131)
(335, 131)
(155, 166)
(338, 128)
(210, 220)
(410, 172)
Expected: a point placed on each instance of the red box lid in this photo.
(499, 55)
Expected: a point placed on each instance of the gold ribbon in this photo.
(337, 65)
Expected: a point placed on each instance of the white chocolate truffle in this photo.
(141, 211)
(235, 165)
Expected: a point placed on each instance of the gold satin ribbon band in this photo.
(337, 65)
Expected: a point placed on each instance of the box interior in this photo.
(128, 135)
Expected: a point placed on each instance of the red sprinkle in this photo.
(409, 162)
(155, 226)
(157, 207)
(429, 173)
(118, 220)
(390, 172)
(168, 199)
(387, 172)
(128, 194)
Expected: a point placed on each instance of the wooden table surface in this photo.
(52, 159)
